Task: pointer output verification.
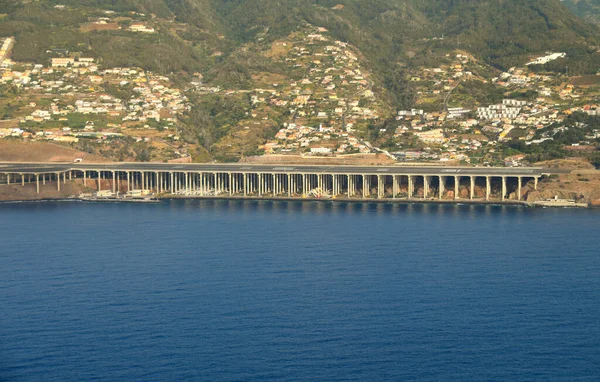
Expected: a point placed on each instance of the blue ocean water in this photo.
(247, 290)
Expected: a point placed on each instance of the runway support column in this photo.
(472, 188)
(488, 188)
(520, 185)
(535, 183)
(441, 187)
(349, 185)
(37, 182)
(303, 185)
(99, 181)
(260, 185)
(230, 177)
(411, 186)
(289, 176)
(114, 182)
(456, 187)
(425, 186)
(58, 181)
(503, 188)
(22, 180)
(84, 178)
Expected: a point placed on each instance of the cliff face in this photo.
(582, 184)
(15, 191)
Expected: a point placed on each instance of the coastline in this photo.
(320, 200)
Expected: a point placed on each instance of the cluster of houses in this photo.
(327, 103)
(330, 101)
(316, 141)
(77, 84)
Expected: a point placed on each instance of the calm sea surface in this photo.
(234, 290)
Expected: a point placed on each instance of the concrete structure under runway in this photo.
(285, 181)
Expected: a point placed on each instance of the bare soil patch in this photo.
(43, 152)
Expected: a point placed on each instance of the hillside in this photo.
(586, 9)
(215, 79)
(199, 34)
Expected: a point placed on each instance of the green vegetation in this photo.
(393, 34)
(224, 41)
(587, 9)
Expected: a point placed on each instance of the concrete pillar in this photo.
(99, 181)
(84, 178)
(426, 180)
(411, 186)
(305, 185)
(22, 180)
(231, 182)
(44, 179)
(503, 188)
(172, 182)
(519, 186)
(37, 182)
(488, 188)
(259, 188)
(365, 187)
(274, 185)
(472, 188)
(456, 187)
(441, 187)
(535, 183)
(8, 179)
(245, 184)
(58, 181)
(114, 181)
